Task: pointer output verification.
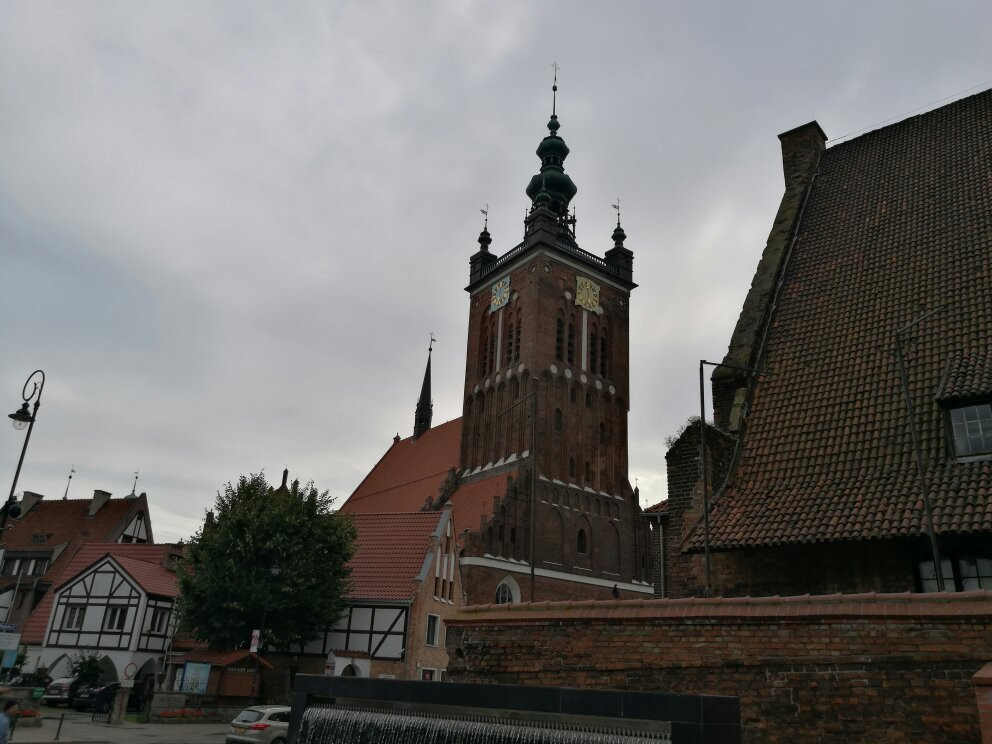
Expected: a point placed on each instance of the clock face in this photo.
(501, 294)
(587, 294)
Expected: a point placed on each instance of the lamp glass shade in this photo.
(19, 423)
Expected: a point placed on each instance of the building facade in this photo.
(536, 467)
(872, 299)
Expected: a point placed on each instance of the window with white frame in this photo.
(971, 427)
(116, 618)
(159, 620)
(433, 621)
(73, 617)
(960, 573)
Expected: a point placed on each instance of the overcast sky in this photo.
(226, 228)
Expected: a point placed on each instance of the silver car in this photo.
(260, 724)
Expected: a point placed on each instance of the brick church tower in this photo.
(546, 382)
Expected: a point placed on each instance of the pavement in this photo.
(80, 729)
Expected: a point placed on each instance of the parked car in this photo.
(100, 696)
(29, 680)
(61, 690)
(260, 724)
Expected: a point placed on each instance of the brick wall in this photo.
(837, 668)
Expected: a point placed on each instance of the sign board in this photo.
(8, 627)
(9, 659)
(9, 641)
(127, 683)
(255, 637)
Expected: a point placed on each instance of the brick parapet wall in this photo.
(983, 696)
(832, 668)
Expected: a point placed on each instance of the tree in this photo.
(227, 586)
(85, 667)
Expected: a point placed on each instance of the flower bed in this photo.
(28, 718)
(193, 715)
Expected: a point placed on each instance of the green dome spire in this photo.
(552, 187)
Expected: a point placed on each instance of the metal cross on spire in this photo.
(554, 89)
(486, 213)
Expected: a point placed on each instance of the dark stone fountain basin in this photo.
(349, 710)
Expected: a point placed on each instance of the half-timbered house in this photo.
(405, 583)
(117, 600)
(40, 542)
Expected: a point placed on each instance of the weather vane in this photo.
(72, 470)
(430, 347)
(554, 89)
(617, 207)
(486, 213)
(134, 485)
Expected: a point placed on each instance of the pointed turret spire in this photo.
(425, 407)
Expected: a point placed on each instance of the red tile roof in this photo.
(410, 473)
(67, 521)
(660, 508)
(390, 553)
(148, 556)
(898, 222)
(474, 501)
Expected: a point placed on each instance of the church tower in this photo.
(546, 383)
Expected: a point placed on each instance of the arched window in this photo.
(557, 421)
(571, 341)
(510, 337)
(350, 671)
(572, 394)
(571, 467)
(493, 351)
(588, 473)
(560, 340)
(593, 352)
(602, 433)
(602, 354)
(484, 361)
(588, 400)
(507, 592)
(580, 543)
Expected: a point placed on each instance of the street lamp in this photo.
(22, 418)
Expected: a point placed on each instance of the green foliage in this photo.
(227, 584)
(85, 666)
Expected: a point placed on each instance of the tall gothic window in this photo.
(509, 344)
(520, 333)
(571, 342)
(593, 351)
(560, 340)
(602, 355)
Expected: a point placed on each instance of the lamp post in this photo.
(256, 685)
(703, 466)
(22, 417)
(921, 471)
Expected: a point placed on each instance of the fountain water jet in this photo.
(339, 710)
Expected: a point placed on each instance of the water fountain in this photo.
(350, 710)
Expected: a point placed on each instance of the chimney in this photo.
(801, 148)
(28, 500)
(99, 499)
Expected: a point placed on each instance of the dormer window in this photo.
(971, 427)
